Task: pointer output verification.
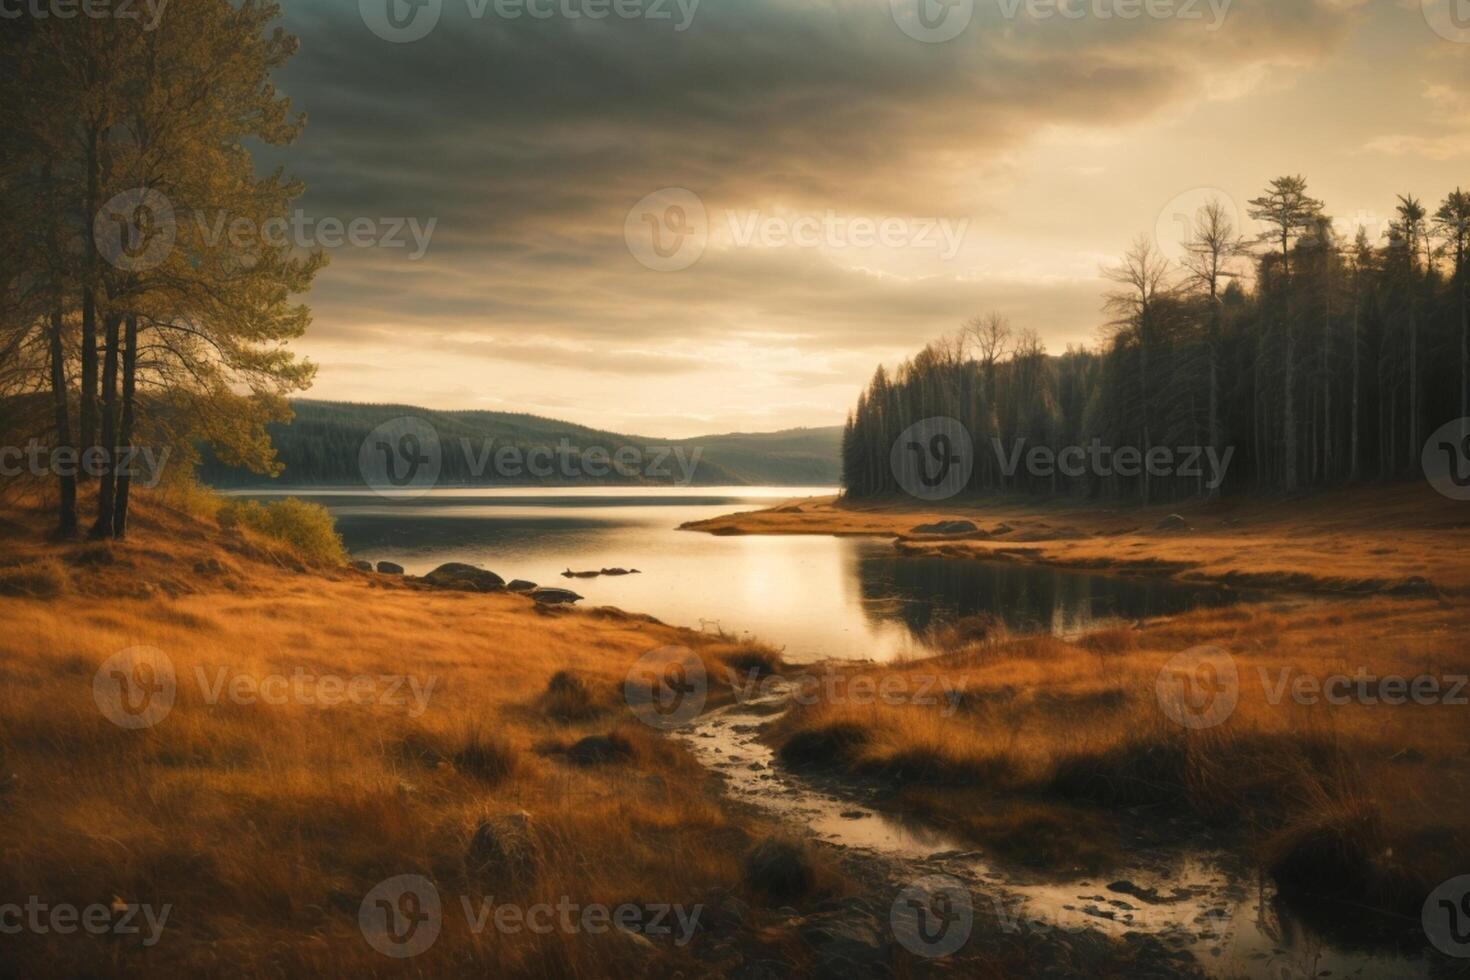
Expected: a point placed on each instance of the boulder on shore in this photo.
(1173, 522)
(363, 566)
(556, 597)
(390, 568)
(464, 578)
(521, 585)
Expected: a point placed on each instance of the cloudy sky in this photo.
(681, 218)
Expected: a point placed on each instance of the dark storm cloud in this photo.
(530, 140)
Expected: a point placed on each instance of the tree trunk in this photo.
(105, 497)
(1354, 463)
(1414, 446)
(1464, 351)
(88, 406)
(67, 522)
(1214, 354)
(1327, 384)
(1288, 410)
(125, 432)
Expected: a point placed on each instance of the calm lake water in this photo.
(815, 595)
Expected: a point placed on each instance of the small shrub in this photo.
(307, 529)
(43, 579)
(186, 494)
(753, 660)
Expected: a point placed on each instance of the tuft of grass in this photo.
(45, 578)
(1119, 639)
(568, 698)
(308, 529)
(967, 631)
(824, 745)
(489, 758)
(780, 868)
(752, 659)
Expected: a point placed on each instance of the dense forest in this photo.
(320, 447)
(1312, 359)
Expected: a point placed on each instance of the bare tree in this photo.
(1212, 247)
(1142, 278)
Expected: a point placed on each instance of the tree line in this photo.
(1313, 359)
(122, 320)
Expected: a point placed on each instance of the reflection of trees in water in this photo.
(925, 592)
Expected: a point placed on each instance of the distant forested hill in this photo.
(320, 447)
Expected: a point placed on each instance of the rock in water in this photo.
(556, 597)
(464, 578)
(390, 568)
(946, 527)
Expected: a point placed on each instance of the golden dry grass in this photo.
(263, 825)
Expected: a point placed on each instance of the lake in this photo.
(816, 596)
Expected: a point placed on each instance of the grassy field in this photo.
(262, 818)
(261, 823)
